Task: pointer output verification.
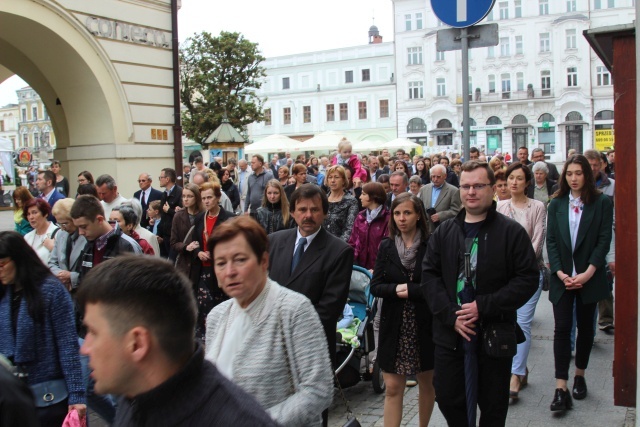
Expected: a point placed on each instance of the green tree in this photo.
(219, 75)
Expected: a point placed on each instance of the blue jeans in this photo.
(105, 406)
(525, 318)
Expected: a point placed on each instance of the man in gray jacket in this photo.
(441, 200)
(257, 182)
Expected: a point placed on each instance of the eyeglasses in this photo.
(161, 177)
(144, 180)
(63, 224)
(476, 187)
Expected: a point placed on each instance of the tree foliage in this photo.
(219, 75)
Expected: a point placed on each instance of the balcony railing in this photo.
(499, 96)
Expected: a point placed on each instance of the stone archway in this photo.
(102, 122)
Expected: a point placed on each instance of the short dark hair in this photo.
(87, 176)
(106, 179)
(259, 158)
(243, 225)
(528, 176)
(474, 150)
(41, 204)
(128, 214)
(376, 192)
(418, 206)
(55, 162)
(88, 207)
(170, 173)
(383, 178)
(298, 168)
(309, 191)
(500, 175)
(48, 176)
(148, 292)
(471, 165)
(404, 176)
(198, 160)
(88, 189)
(523, 148)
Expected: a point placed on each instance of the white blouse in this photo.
(36, 241)
(575, 214)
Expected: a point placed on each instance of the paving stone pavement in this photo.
(532, 410)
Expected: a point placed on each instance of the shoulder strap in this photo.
(53, 235)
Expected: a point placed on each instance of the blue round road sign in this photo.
(461, 13)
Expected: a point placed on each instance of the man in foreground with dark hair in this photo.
(140, 314)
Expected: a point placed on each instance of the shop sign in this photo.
(24, 156)
(604, 139)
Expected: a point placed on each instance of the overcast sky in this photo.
(280, 27)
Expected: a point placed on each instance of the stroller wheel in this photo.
(378, 380)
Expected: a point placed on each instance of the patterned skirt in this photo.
(408, 352)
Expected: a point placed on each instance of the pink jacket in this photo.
(365, 238)
(354, 163)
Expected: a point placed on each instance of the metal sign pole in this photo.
(465, 90)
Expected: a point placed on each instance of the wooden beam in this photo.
(626, 303)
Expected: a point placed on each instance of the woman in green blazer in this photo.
(579, 226)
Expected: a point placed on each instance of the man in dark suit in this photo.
(398, 183)
(321, 262)
(537, 155)
(146, 195)
(170, 203)
(45, 183)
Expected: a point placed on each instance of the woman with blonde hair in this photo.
(274, 214)
(496, 164)
(283, 175)
(21, 196)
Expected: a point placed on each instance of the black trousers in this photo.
(563, 314)
(493, 386)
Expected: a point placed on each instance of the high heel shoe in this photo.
(513, 394)
(561, 400)
(579, 387)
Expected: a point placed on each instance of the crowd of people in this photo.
(226, 284)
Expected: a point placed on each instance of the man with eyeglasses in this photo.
(441, 200)
(503, 274)
(170, 203)
(146, 195)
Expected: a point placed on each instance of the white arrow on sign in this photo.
(461, 13)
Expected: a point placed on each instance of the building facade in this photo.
(34, 123)
(104, 70)
(350, 90)
(542, 86)
(9, 117)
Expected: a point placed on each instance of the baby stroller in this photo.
(355, 343)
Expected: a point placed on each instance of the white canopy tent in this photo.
(6, 158)
(323, 141)
(272, 144)
(404, 143)
(366, 146)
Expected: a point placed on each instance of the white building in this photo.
(351, 90)
(541, 86)
(9, 116)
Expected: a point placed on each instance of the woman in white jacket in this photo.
(266, 338)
